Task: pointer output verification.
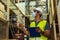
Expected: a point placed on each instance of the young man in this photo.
(44, 28)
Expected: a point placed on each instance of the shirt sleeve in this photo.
(47, 26)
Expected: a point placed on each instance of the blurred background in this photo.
(13, 12)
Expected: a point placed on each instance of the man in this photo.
(44, 28)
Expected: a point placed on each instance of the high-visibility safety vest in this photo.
(41, 25)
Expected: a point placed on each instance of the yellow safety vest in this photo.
(41, 25)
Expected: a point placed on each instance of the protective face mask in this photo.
(34, 14)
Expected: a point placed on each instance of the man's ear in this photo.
(40, 15)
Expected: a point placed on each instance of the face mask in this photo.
(33, 14)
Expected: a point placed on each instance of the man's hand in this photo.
(47, 33)
(38, 30)
(27, 33)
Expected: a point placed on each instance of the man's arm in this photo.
(47, 31)
(22, 27)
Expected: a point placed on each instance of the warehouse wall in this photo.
(58, 13)
(2, 30)
(3, 25)
(2, 9)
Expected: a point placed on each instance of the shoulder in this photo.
(47, 26)
(45, 21)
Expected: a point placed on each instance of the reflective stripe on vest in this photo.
(41, 25)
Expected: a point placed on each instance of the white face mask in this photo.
(34, 14)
